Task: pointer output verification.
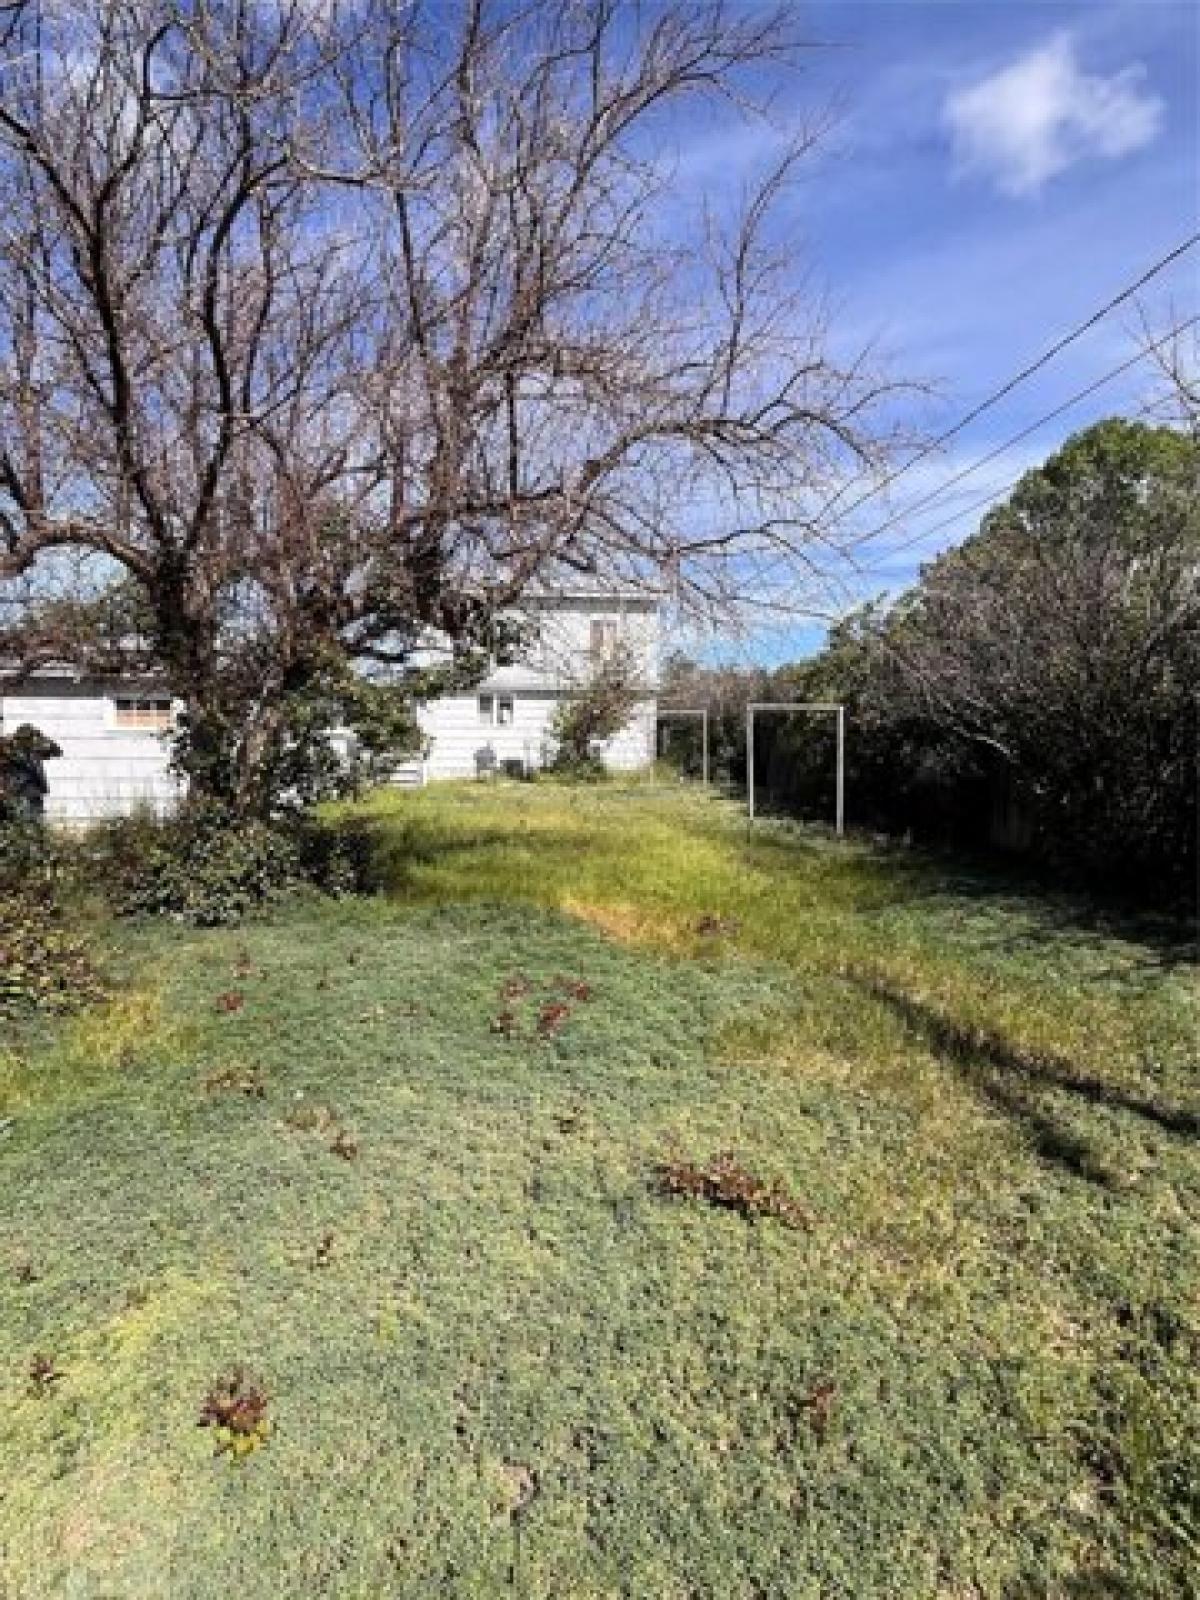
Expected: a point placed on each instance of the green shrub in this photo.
(43, 966)
(580, 769)
(338, 858)
(31, 859)
(595, 714)
(211, 869)
(202, 867)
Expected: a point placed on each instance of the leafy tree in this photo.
(597, 712)
(1055, 655)
(725, 691)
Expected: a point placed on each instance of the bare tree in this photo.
(1175, 353)
(324, 324)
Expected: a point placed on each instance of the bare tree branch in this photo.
(328, 324)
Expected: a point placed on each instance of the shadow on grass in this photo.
(1056, 917)
(1037, 911)
(402, 849)
(1055, 913)
(1013, 1079)
(1052, 915)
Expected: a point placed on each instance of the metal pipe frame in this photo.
(838, 710)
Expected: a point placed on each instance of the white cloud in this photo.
(1041, 114)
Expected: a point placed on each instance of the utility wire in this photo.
(984, 500)
(1026, 372)
(1018, 438)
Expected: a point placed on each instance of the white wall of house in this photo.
(104, 770)
(509, 716)
(109, 770)
(468, 733)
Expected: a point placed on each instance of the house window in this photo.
(496, 710)
(143, 713)
(604, 638)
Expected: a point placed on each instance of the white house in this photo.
(508, 717)
(112, 734)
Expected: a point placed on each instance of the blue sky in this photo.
(995, 173)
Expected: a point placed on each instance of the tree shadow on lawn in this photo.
(1047, 913)
(1014, 1080)
(402, 849)
(1038, 910)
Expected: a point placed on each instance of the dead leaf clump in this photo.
(725, 1182)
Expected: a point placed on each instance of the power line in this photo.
(1026, 372)
(1018, 438)
(984, 500)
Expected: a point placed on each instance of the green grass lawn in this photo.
(499, 1361)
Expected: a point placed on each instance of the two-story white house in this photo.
(508, 718)
(113, 733)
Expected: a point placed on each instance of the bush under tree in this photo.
(210, 867)
(45, 960)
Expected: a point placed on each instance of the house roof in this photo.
(58, 671)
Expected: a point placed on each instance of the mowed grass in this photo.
(499, 1361)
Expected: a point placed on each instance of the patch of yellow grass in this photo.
(630, 924)
(119, 1510)
(780, 1045)
(105, 1039)
(14, 1073)
(113, 1034)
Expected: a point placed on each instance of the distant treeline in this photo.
(1035, 691)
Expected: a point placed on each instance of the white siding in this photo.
(632, 750)
(558, 654)
(106, 771)
(458, 738)
(103, 770)
(557, 662)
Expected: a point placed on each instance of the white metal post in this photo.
(750, 758)
(841, 771)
